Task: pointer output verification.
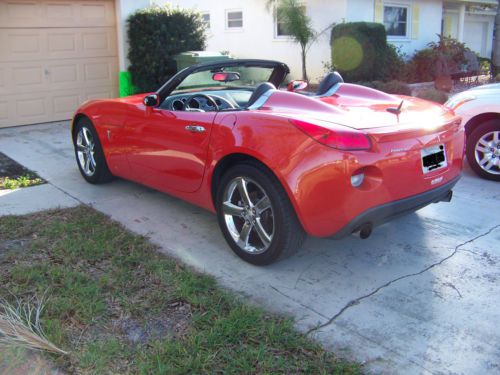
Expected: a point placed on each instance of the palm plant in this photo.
(20, 325)
(292, 15)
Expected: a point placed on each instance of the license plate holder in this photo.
(433, 158)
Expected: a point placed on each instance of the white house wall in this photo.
(478, 33)
(124, 8)
(257, 37)
(359, 10)
(428, 15)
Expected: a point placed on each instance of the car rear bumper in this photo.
(386, 212)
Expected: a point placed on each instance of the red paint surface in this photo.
(152, 147)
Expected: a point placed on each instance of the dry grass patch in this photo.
(119, 306)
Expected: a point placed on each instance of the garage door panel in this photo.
(60, 11)
(64, 105)
(53, 76)
(28, 76)
(33, 107)
(57, 13)
(54, 55)
(48, 106)
(63, 43)
(22, 11)
(64, 74)
(4, 110)
(47, 76)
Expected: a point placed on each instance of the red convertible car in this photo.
(275, 164)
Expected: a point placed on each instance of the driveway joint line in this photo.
(294, 300)
(68, 194)
(358, 300)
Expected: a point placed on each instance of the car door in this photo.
(168, 149)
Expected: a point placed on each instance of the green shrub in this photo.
(360, 52)
(441, 58)
(422, 66)
(155, 35)
(391, 87)
(433, 95)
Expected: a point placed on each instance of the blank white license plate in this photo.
(433, 158)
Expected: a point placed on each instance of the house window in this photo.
(206, 19)
(396, 21)
(234, 19)
(280, 28)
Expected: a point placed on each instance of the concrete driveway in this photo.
(421, 295)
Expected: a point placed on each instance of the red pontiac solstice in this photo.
(274, 164)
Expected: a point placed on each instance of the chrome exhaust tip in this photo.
(447, 197)
(365, 231)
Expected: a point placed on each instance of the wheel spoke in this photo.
(483, 143)
(491, 163)
(232, 209)
(242, 188)
(87, 165)
(496, 136)
(80, 148)
(264, 237)
(263, 204)
(481, 148)
(86, 136)
(92, 160)
(245, 234)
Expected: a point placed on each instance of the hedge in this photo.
(155, 35)
(360, 52)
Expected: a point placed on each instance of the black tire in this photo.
(287, 233)
(97, 173)
(493, 173)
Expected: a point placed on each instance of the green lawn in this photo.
(119, 306)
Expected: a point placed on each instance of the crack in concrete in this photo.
(358, 300)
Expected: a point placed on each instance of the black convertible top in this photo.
(278, 75)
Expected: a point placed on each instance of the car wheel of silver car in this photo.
(256, 216)
(483, 150)
(89, 153)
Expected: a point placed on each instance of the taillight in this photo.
(341, 138)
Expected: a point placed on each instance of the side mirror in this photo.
(152, 100)
(297, 85)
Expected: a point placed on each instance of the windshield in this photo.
(249, 77)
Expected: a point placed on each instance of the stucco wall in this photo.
(426, 16)
(257, 37)
(123, 9)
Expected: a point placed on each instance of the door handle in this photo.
(195, 128)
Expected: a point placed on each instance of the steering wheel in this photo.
(207, 97)
(224, 100)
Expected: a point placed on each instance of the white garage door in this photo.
(54, 55)
(476, 36)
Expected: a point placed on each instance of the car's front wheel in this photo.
(256, 216)
(89, 153)
(483, 150)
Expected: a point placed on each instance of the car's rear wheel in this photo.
(89, 153)
(483, 150)
(256, 216)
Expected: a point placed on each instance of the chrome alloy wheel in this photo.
(85, 151)
(248, 215)
(487, 152)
